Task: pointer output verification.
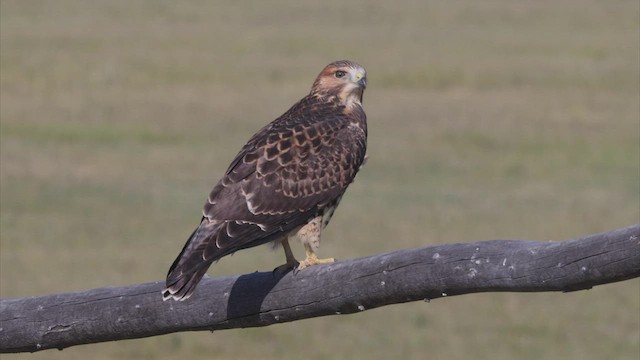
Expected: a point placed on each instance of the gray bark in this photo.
(260, 299)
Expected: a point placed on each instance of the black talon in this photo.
(283, 269)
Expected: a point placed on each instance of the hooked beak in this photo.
(362, 82)
(361, 79)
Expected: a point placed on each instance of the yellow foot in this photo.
(312, 260)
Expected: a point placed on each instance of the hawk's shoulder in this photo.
(306, 157)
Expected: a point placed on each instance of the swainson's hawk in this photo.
(285, 182)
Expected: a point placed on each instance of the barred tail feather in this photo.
(183, 287)
(189, 267)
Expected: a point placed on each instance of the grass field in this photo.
(488, 120)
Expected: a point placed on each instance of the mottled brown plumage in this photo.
(286, 181)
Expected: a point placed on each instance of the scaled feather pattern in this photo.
(292, 171)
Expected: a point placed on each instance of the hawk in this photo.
(285, 182)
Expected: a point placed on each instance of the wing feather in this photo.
(285, 174)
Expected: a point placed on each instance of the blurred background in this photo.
(487, 120)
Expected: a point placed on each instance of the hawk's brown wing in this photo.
(283, 177)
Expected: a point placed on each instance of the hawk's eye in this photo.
(340, 74)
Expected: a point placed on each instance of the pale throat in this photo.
(350, 97)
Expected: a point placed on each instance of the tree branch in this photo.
(260, 299)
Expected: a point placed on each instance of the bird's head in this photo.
(342, 79)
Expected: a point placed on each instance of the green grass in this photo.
(487, 120)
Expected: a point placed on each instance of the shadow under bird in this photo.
(285, 182)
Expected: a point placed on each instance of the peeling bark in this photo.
(260, 299)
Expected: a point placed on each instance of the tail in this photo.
(182, 288)
(188, 268)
